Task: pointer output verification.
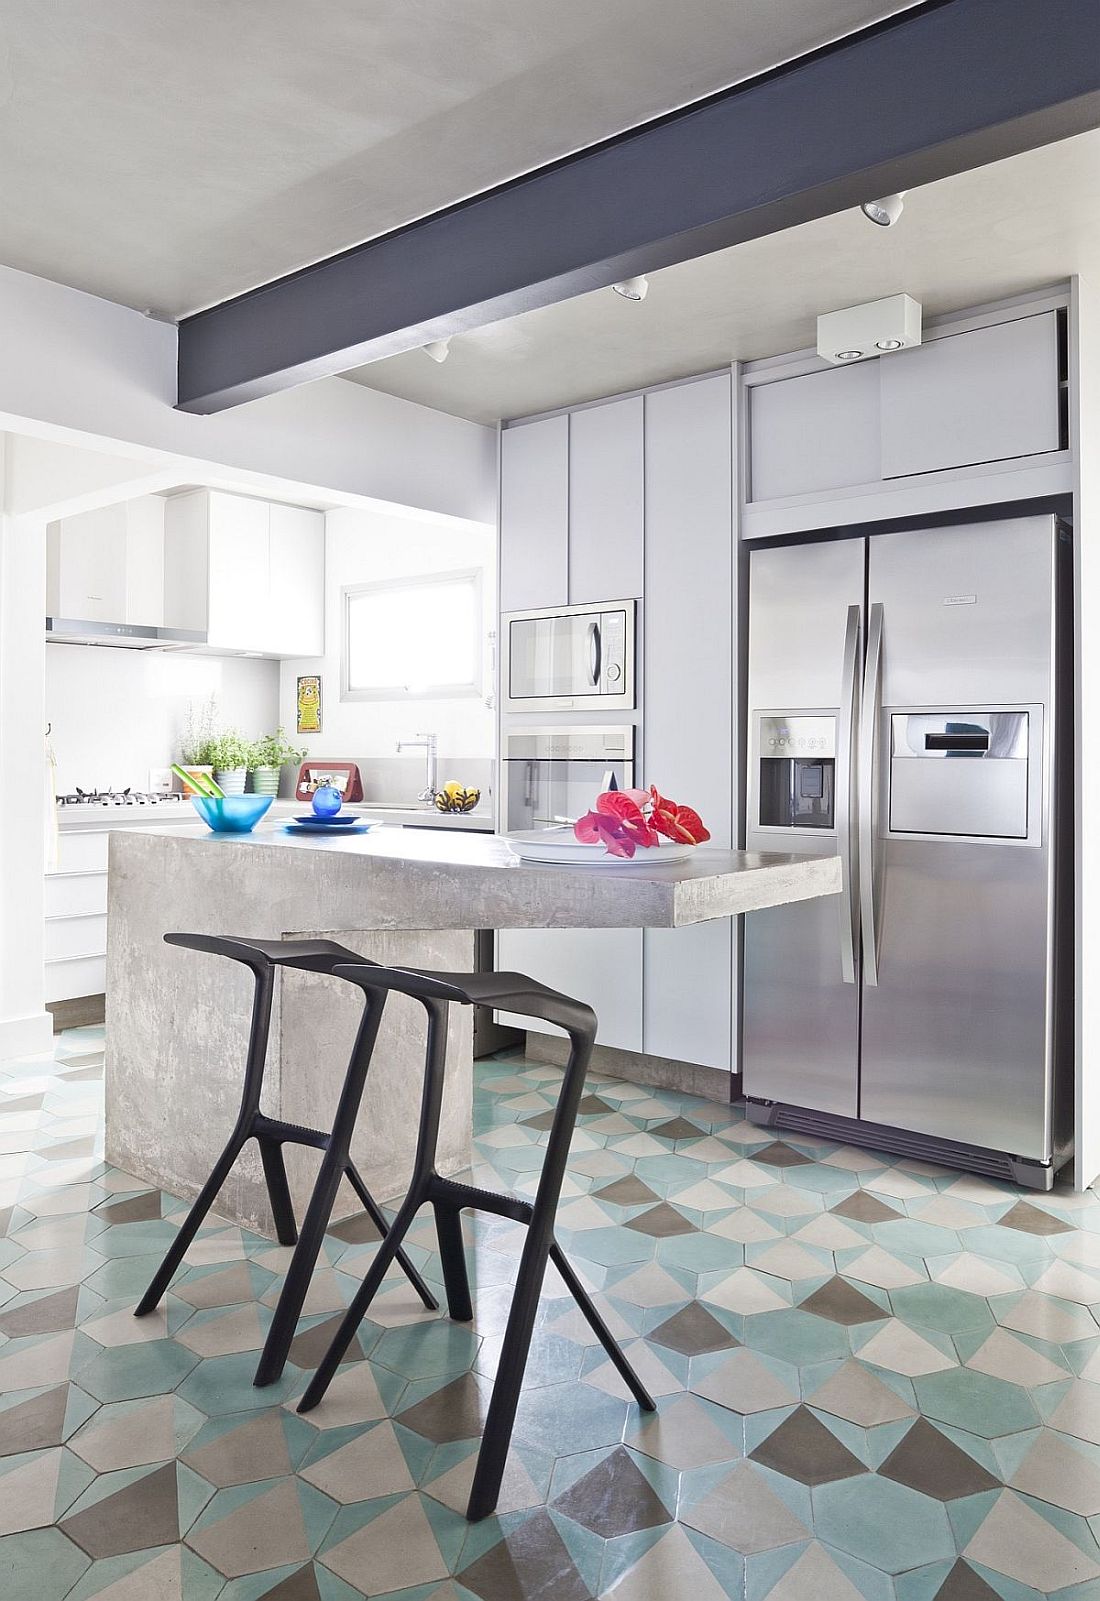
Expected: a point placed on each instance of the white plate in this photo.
(562, 847)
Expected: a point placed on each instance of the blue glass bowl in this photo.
(232, 814)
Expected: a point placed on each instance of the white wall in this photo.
(362, 547)
(114, 713)
(76, 362)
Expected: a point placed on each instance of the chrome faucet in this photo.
(429, 744)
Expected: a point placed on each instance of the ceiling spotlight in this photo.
(885, 212)
(888, 344)
(438, 349)
(632, 288)
(848, 355)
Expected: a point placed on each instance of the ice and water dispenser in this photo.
(797, 772)
(955, 773)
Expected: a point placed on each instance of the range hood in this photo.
(135, 636)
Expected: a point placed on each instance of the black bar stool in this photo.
(263, 958)
(448, 1198)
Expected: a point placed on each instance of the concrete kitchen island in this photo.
(177, 1021)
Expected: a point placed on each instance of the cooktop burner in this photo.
(118, 797)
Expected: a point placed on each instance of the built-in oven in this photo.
(574, 658)
(551, 776)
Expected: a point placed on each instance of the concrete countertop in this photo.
(407, 878)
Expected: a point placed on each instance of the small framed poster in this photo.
(309, 703)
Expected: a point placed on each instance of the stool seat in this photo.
(264, 958)
(449, 1197)
(515, 992)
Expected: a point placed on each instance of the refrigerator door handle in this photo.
(868, 874)
(846, 830)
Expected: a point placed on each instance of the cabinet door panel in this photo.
(987, 395)
(296, 620)
(688, 694)
(602, 966)
(91, 565)
(534, 515)
(606, 492)
(239, 574)
(820, 431)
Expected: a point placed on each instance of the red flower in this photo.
(624, 819)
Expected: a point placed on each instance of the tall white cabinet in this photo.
(688, 710)
(633, 498)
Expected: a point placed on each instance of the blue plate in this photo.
(340, 821)
(317, 825)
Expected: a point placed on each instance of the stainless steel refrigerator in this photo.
(909, 709)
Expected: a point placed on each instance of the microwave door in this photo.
(554, 656)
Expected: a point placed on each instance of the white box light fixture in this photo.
(877, 328)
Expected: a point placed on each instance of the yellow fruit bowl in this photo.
(456, 798)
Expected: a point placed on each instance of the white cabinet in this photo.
(534, 515)
(249, 572)
(602, 966)
(107, 565)
(819, 431)
(987, 395)
(689, 720)
(296, 574)
(606, 501)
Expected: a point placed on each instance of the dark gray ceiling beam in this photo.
(938, 90)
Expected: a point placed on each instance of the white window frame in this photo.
(474, 576)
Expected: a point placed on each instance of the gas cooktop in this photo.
(118, 797)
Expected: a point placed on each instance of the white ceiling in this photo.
(979, 236)
(171, 153)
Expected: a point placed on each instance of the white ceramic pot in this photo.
(231, 780)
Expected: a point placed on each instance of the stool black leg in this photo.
(501, 1416)
(333, 1166)
(191, 1225)
(386, 1253)
(448, 1228)
(378, 1218)
(423, 1172)
(282, 1207)
(600, 1329)
(250, 1106)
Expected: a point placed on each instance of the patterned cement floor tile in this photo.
(876, 1378)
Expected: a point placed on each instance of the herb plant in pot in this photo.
(229, 756)
(267, 757)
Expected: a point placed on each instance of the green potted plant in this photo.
(228, 754)
(266, 759)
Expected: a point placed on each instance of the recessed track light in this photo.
(632, 288)
(885, 212)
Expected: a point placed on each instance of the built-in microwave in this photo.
(570, 659)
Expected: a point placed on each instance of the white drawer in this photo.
(83, 851)
(66, 981)
(69, 937)
(75, 894)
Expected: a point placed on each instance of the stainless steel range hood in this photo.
(135, 636)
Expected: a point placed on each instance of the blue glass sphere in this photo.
(327, 801)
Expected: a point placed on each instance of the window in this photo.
(410, 637)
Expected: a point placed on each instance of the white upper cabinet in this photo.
(689, 723)
(606, 501)
(987, 395)
(534, 515)
(248, 572)
(107, 566)
(816, 432)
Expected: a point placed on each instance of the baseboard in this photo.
(26, 1036)
(663, 1072)
(82, 1012)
